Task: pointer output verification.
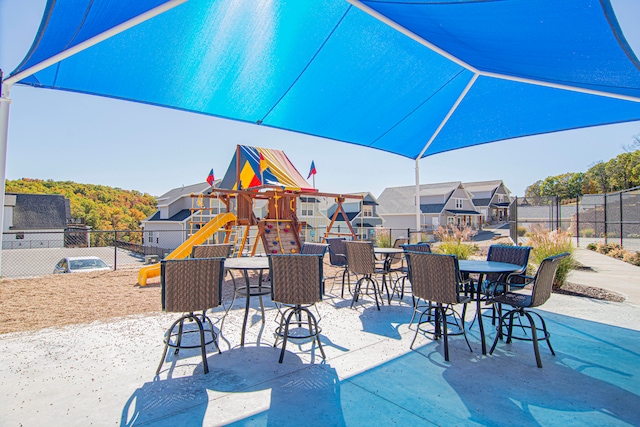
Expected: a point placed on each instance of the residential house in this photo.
(41, 221)
(491, 199)
(174, 221)
(447, 203)
(361, 214)
(312, 214)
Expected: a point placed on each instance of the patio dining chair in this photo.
(493, 284)
(415, 247)
(190, 285)
(541, 286)
(313, 248)
(338, 258)
(296, 282)
(436, 278)
(361, 261)
(220, 250)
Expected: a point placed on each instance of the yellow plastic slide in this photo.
(184, 250)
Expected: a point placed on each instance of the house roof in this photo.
(400, 200)
(481, 202)
(482, 185)
(176, 193)
(462, 212)
(432, 208)
(180, 216)
(40, 211)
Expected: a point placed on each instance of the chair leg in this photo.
(534, 338)
(316, 335)
(286, 335)
(445, 334)
(179, 339)
(203, 347)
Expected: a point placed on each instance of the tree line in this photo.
(620, 173)
(100, 206)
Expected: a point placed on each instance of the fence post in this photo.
(621, 226)
(515, 218)
(115, 249)
(577, 222)
(605, 218)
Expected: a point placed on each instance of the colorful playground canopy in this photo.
(278, 170)
(414, 78)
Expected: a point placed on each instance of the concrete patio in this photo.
(104, 373)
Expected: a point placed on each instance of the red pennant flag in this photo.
(210, 178)
(312, 171)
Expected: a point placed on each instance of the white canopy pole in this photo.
(418, 211)
(10, 81)
(5, 101)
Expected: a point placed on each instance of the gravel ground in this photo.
(63, 299)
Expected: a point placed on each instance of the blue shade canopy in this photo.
(414, 78)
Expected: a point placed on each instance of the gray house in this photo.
(447, 203)
(361, 214)
(40, 221)
(172, 223)
(491, 199)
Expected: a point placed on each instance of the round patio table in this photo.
(245, 264)
(481, 268)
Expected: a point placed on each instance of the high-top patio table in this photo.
(481, 268)
(245, 264)
(387, 252)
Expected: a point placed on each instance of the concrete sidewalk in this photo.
(104, 373)
(608, 273)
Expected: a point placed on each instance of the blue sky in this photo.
(66, 136)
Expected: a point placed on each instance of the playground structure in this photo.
(278, 231)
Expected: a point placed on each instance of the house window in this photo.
(500, 198)
(367, 211)
(459, 203)
(450, 220)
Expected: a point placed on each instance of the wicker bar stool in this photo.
(191, 285)
(296, 282)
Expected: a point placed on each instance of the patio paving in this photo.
(104, 373)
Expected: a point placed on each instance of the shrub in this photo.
(592, 247)
(452, 239)
(587, 232)
(522, 231)
(383, 238)
(632, 258)
(548, 243)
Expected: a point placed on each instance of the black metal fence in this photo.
(36, 253)
(592, 218)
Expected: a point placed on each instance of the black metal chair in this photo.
(436, 278)
(542, 285)
(191, 285)
(494, 283)
(338, 258)
(296, 282)
(361, 261)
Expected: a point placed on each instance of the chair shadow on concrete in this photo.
(298, 392)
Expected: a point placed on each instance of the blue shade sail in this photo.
(365, 74)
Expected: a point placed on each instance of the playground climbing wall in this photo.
(280, 236)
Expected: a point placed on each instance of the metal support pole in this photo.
(621, 226)
(417, 199)
(605, 218)
(5, 101)
(577, 222)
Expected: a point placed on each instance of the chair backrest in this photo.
(417, 247)
(360, 257)
(296, 278)
(518, 255)
(313, 248)
(543, 281)
(337, 251)
(191, 284)
(221, 250)
(434, 277)
(396, 258)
